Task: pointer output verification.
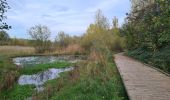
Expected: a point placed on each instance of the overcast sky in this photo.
(71, 16)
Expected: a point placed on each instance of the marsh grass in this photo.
(18, 92)
(9, 72)
(14, 50)
(91, 80)
(32, 69)
(72, 49)
(12, 91)
(94, 79)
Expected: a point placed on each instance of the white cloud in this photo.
(70, 16)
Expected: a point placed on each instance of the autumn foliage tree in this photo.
(100, 34)
(62, 39)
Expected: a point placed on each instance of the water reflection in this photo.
(40, 78)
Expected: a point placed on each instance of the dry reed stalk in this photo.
(16, 50)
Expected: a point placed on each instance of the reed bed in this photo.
(9, 50)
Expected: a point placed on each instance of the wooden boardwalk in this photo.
(142, 82)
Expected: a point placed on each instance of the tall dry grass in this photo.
(8, 71)
(71, 49)
(9, 50)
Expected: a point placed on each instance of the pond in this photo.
(40, 78)
(21, 61)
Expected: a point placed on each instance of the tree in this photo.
(115, 26)
(3, 8)
(101, 21)
(99, 34)
(150, 26)
(147, 33)
(4, 37)
(41, 35)
(63, 39)
(96, 33)
(115, 22)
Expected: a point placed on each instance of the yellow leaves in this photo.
(100, 35)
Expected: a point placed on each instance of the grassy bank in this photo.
(94, 79)
(88, 81)
(91, 80)
(18, 92)
(8, 71)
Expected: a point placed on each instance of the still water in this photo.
(21, 61)
(40, 78)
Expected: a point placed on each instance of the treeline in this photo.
(41, 36)
(147, 32)
(6, 40)
(98, 34)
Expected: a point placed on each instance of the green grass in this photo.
(92, 88)
(32, 69)
(5, 63)
(9, 70)
(18, 92)
(91, 81)
(8, 73)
